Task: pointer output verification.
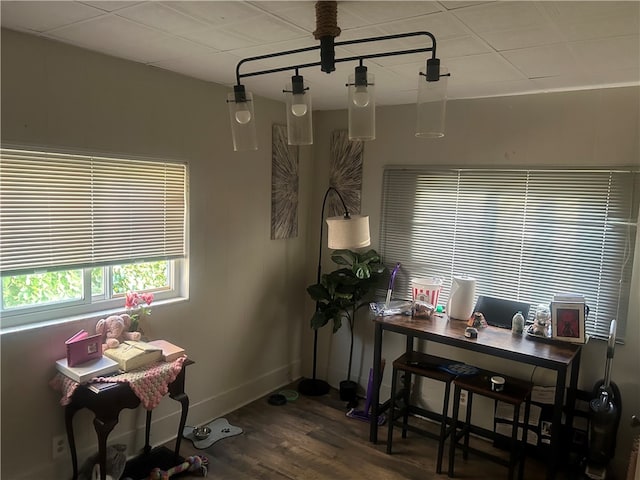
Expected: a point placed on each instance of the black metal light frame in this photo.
(328, 60)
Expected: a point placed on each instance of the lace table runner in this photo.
(150, 383)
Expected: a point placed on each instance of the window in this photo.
(80, 231)
(523, 234)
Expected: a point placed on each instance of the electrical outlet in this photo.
(463, 398)
(60, 446)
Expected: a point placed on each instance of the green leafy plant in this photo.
(341, 292)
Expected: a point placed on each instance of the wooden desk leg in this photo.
(103, 428)
(183, 398)
(69, 412)
(147, 433)
(375, 388)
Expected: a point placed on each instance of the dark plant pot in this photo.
(348, 390)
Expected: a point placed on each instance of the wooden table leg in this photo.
(147, 433)
(183, 398)
(103, 428)
(69, 412)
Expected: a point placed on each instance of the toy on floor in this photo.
(196, 464)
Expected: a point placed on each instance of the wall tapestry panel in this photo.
(284, 185)
(345, 173)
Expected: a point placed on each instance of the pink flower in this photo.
(137, 304)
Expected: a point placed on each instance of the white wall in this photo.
(589, 128)
(243, 320)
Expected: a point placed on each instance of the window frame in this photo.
(106, 302)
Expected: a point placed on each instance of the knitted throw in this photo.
(150, 383)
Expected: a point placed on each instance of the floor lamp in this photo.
(343, 232)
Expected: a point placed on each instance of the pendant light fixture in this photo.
(299, 122)
(432, 100)
(243, 125)
(432, 85)
(362, 105)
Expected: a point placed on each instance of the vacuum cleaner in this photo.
(604, 417)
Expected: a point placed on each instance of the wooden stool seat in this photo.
(421, 364)
(515, 392)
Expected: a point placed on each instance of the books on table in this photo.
(83, 373)
(170, 352)
(83, 347)
(130, 354)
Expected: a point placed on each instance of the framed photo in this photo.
(568, 320)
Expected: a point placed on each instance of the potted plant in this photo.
(341, 293)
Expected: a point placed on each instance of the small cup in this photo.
(497, 384)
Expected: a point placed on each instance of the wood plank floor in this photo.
(312, 439)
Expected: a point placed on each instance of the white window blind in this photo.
(523, 234)
(63, 211)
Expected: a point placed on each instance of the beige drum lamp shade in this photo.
(348, 233)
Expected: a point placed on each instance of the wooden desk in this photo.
(107, 406)
(497, 342)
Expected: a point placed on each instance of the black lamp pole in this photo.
(314, 386)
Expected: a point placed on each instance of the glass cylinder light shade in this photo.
(432, 105)
(243, 124)
(299, 126)
(362, 109)
(348, 233)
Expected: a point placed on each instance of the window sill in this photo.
(80, 318)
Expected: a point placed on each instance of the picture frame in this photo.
(568, 322)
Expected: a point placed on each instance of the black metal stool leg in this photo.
(392, 410)
(454, 424)
(467, 425)
(443, 426)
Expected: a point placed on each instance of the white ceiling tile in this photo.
(523, 37)
(165, 47)
(461, 47)
(455, 4)
(491, 89)
(214, 12)
(110, 5)
(609, 53)
(588, 20)
(218, 39)
(500, 16)
(107, 34)
(441, 25)
(545, 61)
(488, 67)
(44, 16)
(157, 15)
(382, 12)
(266, 29)
(302, 14)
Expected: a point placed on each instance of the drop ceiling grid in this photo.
(492, 47)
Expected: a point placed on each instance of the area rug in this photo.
(220, 428)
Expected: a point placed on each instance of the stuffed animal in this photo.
(116, 461)
(196, 464)
(115, 329)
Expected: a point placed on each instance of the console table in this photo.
(497, 342)
(107, 406)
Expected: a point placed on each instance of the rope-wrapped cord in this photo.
(326, 20)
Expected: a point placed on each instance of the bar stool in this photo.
(417, 363)
(515, 392)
